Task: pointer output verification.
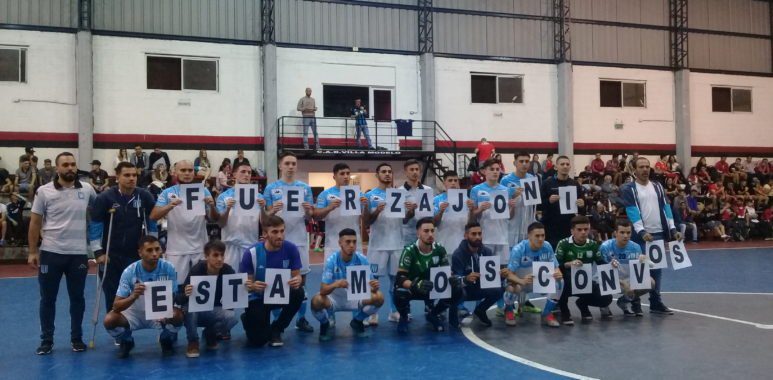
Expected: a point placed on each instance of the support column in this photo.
(84, 98)
(565, 110)
(427, 74)
(270, 116)
(682, 119)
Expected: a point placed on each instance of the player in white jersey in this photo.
(186, 232)
(329, 208)
(386, 240)
(332, 296)
(295, 226)
(239, 231)
(523, 215)
(412, 184)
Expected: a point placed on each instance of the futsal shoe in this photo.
(45, 347)
(276, 339)
(210, 339)
(528, 307)
(193, 349)
(661, 309)
(482, 317)
(325, 332)
(402, 326)
(167, 346)
(395, 317)
(510, 318)
(625, 307)
(434, 320)
(125, 348)
(78, 345)
(303, 325)
(550, 321)
(606, 314)
(372, 321)
(566, 320)
(463, 312)
(636, 306)
(359, 328)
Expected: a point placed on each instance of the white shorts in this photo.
(502, 251)
(136, 317)
(384, 263)
(338, 302)
(303, 250)
(182, 263)
(234, 254)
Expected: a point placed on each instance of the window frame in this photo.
(496, 86)
(621, 82)
(732, 96)
(182, 59)
(23, 72)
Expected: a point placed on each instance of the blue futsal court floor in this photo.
(725, 299)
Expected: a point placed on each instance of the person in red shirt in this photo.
(722, 166)
(597, 167)
(613, 169)
(766, 225)
(478, 177)
(763, 170)
(484, 150)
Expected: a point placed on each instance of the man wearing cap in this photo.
(98, 177)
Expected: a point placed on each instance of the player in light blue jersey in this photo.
(496, 230)
(519, 274)
(239, 231)
(128, 312)
(386, 236)
(295, 226)
(332, 296)
(329, 206)
(619, 251)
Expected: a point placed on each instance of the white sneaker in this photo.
(372, 321)
(395, 317)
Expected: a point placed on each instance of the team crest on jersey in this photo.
(332, 197)
(374, 268)
(526, 259)
(435, 260)
(81, 195)
(285, 264)
(376, 198)
(512, 185)
(589, 254)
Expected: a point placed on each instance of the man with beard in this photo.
(60, 213)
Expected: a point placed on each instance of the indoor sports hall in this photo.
(595, 121)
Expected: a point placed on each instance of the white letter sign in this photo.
(489, 276)
(567, 199)
(234, 292)
(582, 282)
(395, 203)
(679, 258)
(203, 296)
(158, 300)
(359, 285)
(277, 290)
(531, 193)
(656, 251)
(441, 279)
(350, 201)
(544, 282)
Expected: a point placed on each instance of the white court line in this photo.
(729, 249)
(728, 293)
(480, 343)
(754, 324)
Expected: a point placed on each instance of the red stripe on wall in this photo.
(176, 139)
(721, 150)
(630, 147)
(39, 136)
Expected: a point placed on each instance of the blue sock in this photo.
(302, 310)
(501, 303)
(361, 316)
(392, 294)
(322, 316)
(276, 313)
(549, 306)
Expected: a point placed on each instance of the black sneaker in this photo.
(358, 327)
(661, 309)
(303, 325)
(566, 320)
(606, 314)
(636, 307)
(325, 334)
(78, 345)
(167, 346)
(124, 348)
(434, 320)
(210, 339)
(482, 317)
(45, 347)
(276, 339)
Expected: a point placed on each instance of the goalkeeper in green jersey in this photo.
(575, 251)
(414, 283)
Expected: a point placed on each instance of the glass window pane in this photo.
(484, 88)
(510, 90)
(609, 92)
(742, 100)
(164, 73)
(9, 65)
(199, 75)
(339, 100)
(720, 99)
(633, 95)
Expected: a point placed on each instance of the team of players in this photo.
(401, 250)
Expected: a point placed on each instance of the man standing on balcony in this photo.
(308, 107)
(360, 113)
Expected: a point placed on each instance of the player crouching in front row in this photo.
(128, 312)
(413, 279)
(332, 296)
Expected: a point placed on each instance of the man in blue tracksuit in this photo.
(649, 210)
(132, 207)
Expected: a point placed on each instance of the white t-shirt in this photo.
(3, 209)
(386, 234)
(186, 233)
(334, 222)
(65, 217)
(649, 207)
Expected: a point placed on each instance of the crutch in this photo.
(101, 279)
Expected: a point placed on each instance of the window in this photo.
(339, 100)
(177, 73)
(615, 93)
(494, 89)
(13, 64)
(729, 99)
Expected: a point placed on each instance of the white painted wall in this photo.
(123, 104)
(301, 68)
(534, 120)
(651, 125)
(107, 157)
(48, 97)
(731, 129)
